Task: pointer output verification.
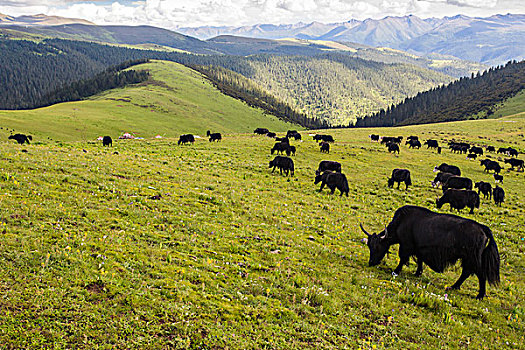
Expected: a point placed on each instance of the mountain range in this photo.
(40, 20)
(492, 40)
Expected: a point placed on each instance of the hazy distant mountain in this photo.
(492, 40)
(41, 20)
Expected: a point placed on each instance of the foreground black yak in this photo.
(283, 164)
(107, 141)
(186, 138)
(439, 240)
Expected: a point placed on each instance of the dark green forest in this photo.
(458, 100)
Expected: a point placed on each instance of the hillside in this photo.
(201, 246)
(175, 100)
(330, 86)
(40, 20)
(468, 98)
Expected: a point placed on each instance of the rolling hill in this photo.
(175, 100)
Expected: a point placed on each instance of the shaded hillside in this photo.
(332, 87)
(457, 101)
(173, 101)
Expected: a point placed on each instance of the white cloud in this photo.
(170, 13)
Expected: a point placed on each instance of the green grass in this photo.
(233, 256)
(176, 100)
(512, 106)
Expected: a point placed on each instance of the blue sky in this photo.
(180, 13)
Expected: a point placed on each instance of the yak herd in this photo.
(438, 240)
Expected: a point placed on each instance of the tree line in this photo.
(459, 100)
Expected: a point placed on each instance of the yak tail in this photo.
(490, 260)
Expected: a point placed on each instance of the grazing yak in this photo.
(393, 147)
(333, 180)
(280, 147)
(325, 138)
(374, 137)
(457, 182)
(294, 134)
(282, 139)
(439, 240)
(290, 150)
(491, 149)
(186, 138)
(216, 136)
(485, 188)
(400, 175)
(444, 167)
(476, 150)
(459, 199)
(324, 147)
(261, 131)
(431, 144)
(413, 144)
(21, 138)
(441, 178)
(519, 163)
(490, 165)
(412, 137)
(271, 134)
(472, 156)
(391, 139)
(499, 195)
(498, 177)
(512, 152)
(284, 164)
(328, 165)
(107, 141)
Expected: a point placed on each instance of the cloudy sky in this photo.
(192, 13)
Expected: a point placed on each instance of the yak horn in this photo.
(363, 229)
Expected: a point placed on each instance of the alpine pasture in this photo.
(147, 244)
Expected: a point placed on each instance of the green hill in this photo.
(175, 100)
(201, 246)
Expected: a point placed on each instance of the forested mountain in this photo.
(161, 39)
(332, 87)
(459, 100)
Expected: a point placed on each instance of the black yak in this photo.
(107, 141)
(393, 147)
(439, 240)
(498, 177)
(476, 150)
(519, 163)
(324, 147)
(490, 165)
(400, 175)
(284, 164)
(280, 147)
(472, 156)
(512, 152)
(271, 134)
(459, 199)
(290, 150)
(328, 165)
(431, 144)
(21, 138)
(374, 137)
(412, 137)
(261, 131)
(325, 138)
(491, 149)
(414, 144)
(485, 188)
(444, 167)
(441, 178)
(216, 136)
(186, 138)
(499, 195)
(333, 180)
(457, 182)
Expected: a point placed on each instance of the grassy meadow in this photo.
(175, 100)
(147, 244)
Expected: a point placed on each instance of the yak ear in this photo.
(363, 229)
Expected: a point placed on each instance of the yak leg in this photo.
(404, 257)
(482, 283)
(471, 210)
(464, 275)
(332, 189)
(398, 184)
(322, 186)
(419, 270)
(273, 169)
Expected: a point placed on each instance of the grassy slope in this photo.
(177, 100)
(234, 256)
(512, 106)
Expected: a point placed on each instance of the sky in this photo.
(172, 14)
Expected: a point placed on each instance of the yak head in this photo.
(318, 178)
(391, 182)
(271, 164)
(378, 244)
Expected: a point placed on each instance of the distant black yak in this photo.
(216, 136)
(333, 180)
(400, 175)
(283, 164)
(107, 141)
(439, 240)
(444, 167)
(328, 165)
(186, 138)
(21, 138)
(499, 195)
